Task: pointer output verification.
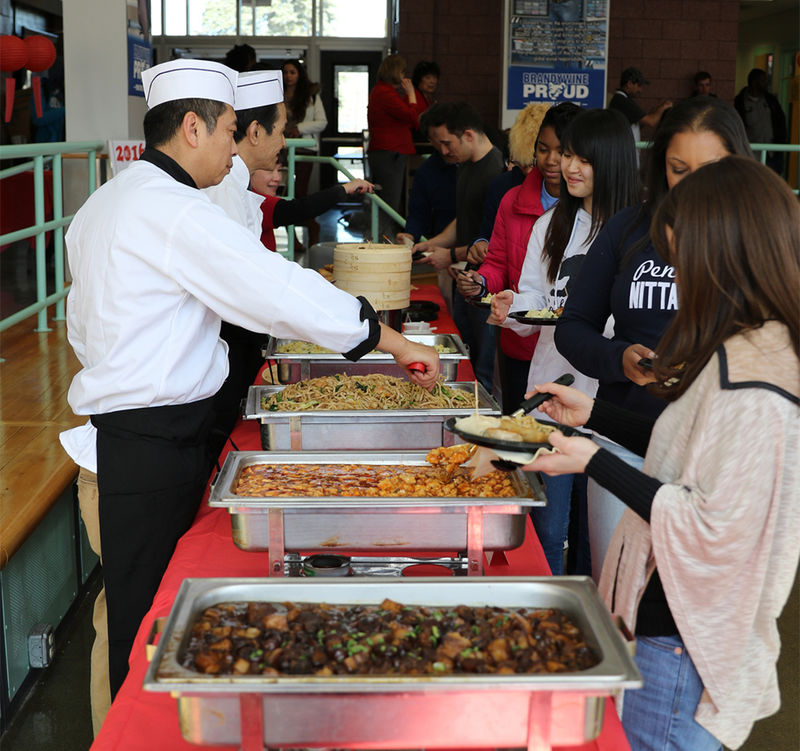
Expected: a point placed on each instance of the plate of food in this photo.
(482, 302)
(517, 439)
(540, 317)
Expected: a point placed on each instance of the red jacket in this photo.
(423, 103)
(391, 120)
(501, 268)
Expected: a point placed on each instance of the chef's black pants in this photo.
(152, 470)
(245, 359)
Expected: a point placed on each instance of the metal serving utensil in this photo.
(529, 404)
(567, 379)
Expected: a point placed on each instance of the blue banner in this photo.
(140, 57)
(535, 84)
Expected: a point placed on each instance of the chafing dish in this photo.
(383, 525)
(293, 367)
(395, 712)
(359, 429)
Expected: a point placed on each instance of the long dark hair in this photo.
(736, 255)
(604, 139)
(302, 93)
(700, 114)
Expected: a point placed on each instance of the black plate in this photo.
(427, 305)
(421, 310)
(478, 303)
(499, 443)
(520, 316)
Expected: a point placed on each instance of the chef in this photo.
(156, 266)
(260, 121)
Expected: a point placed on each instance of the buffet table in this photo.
(146, 720)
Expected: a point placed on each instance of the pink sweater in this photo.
(724, 529)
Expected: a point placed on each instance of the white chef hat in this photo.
(258, 88)
(189, 79)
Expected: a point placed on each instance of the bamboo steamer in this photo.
(380, 272)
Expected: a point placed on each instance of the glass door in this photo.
(347, 78)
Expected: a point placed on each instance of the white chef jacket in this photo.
(155, 267)
(233, 195)
(536, 292)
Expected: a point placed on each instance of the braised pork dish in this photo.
(263, 638)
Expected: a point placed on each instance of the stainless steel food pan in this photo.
(359, 429)
(396, 712)
(301, 367)
(371, 524)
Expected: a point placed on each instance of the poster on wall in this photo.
(140, 57)
(556, 51)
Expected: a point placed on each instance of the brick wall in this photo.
(465, 38)
(669, 40)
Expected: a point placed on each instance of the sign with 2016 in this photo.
(530, 84)
(124, 153)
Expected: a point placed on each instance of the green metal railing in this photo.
(377, 204)
(761, 149)
(41, 153)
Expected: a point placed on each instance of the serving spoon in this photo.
(507, 465)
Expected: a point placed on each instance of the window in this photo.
(292, 18)
(211, 17)
(351, 18)
(286, 18)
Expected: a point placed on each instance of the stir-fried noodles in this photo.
(372, 391)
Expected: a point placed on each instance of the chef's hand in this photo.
(358, 186)
(572, 457)
(477, 252)
(406, 352)
(420, 353)
(567, 405)
(404, 239)
(469, 283)
(501, 304)
(630, 364)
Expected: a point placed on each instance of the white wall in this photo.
(96, 76)
(96, 58)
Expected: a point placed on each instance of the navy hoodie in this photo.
(641, 296)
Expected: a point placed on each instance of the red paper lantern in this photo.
(13, 56)
(41, 55)
(13, 53)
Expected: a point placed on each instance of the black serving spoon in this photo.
(529, 404)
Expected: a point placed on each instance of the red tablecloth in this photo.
(146, 721)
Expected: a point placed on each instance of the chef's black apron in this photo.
(152, 469)
(245, 359)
